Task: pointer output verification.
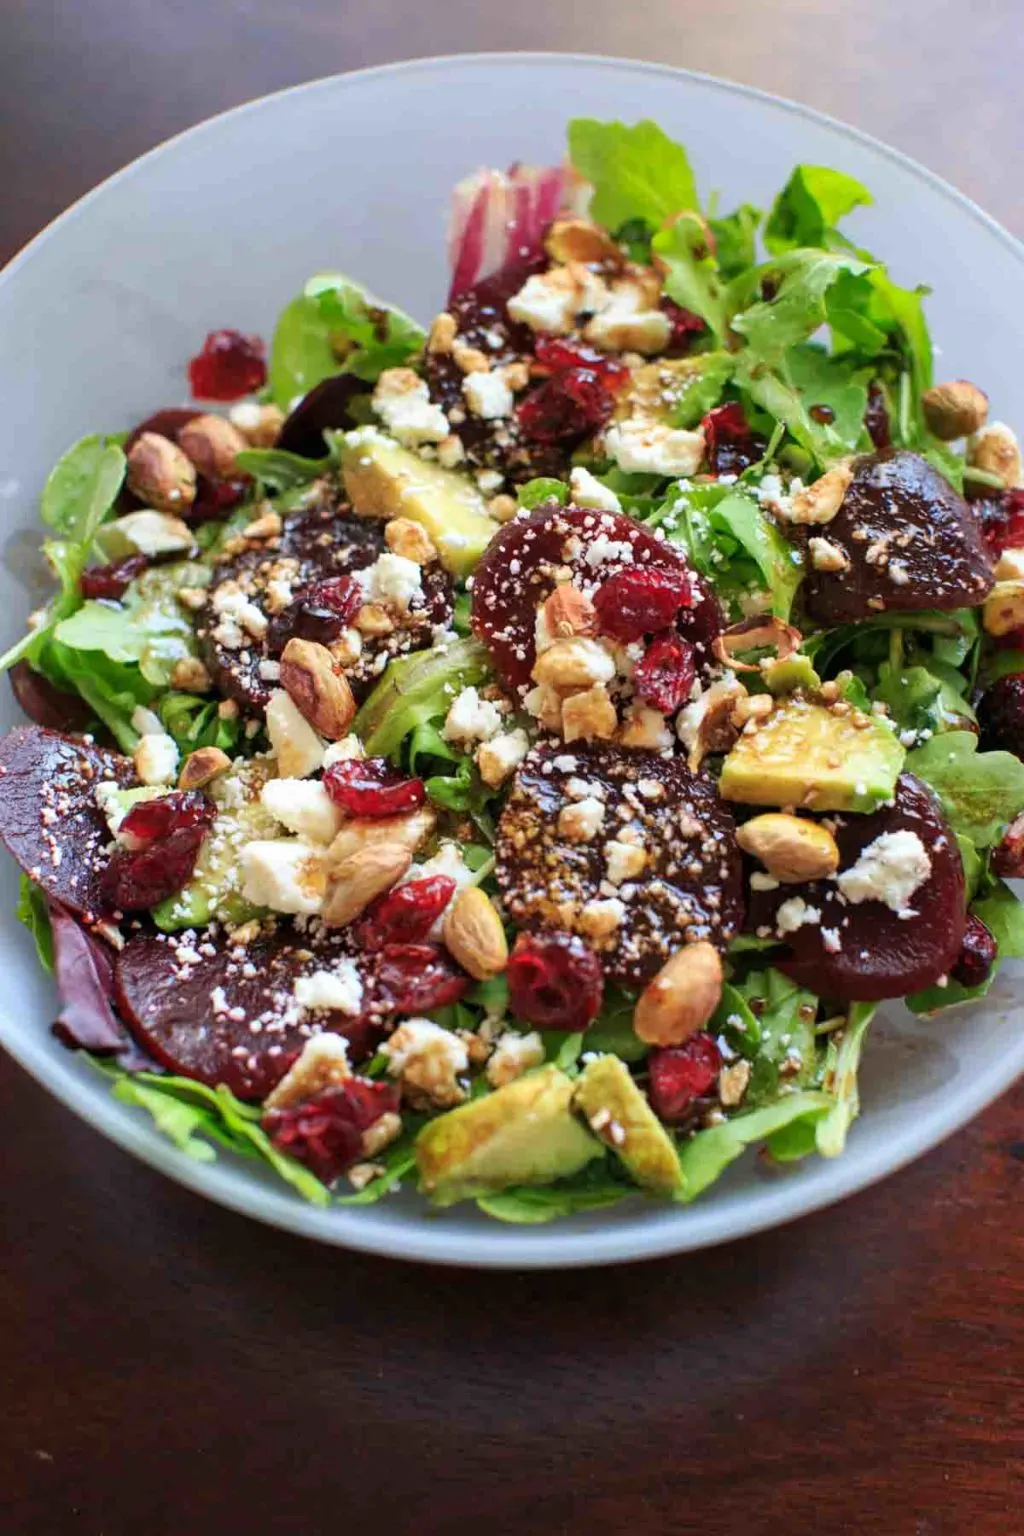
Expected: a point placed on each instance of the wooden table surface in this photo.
(167, 1367)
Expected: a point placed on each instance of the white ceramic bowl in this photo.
(219, 228)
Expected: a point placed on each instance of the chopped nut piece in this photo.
(470, 359)
(567, 612)
(791, 848)
(578, 239)
(213, 444)
(160, 474)
(320, 692)
(267, 526)
(502, 508)
(381, 1134)
(374, 620)
(500, 756)
(260, 425)
(513, 1055)
(682, 997)
(474, 934)
(228, 709)
(411, 540)
(819, 503)
(826, 556)
(588, 715)
(645, 727)
(427, 1060)
(996, 449)
(192, 598)
(545, 705)
(955, 409)
(202, 767)
(190, 675)
(362, 877)
(409, 832)
(732, 1083)
(571, 663)
(442, 333)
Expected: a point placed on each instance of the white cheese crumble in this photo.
(796, 913)
(286, 875)
(889, 870)
(513, 1055)
(155, 533)
(488, 395)
(471, 719)
(653, 449)
(304, 807)
(550, 301)
(587, 491)
(500, 756)
(340, 988)
(402, 401)
(393, 580)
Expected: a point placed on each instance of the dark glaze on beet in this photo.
(49, 820)
(322, 542)
(516, 574)
(691, 886)
(911, 541)
(881, 954)
(177, 994)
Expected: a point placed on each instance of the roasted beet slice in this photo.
(327, 407)
(910, 540)
(224, 1013)
(323, 542)
(46, 704)
(49, 819)
(874, 953)
(557, 871)
(517, 572)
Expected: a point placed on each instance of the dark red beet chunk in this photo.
(910, 540)
(416, 978)
(229, 366)
(46, 704)
(171, 1003)
(977, 954)
(692, 879)
(732, 445)
(880, 954)
(665, 673)
(406, 913)
(1001, 715)
(326, 1132)
(112, 581)
(49, 819)
(641, 601)
(515, 576)
(680, 1075)
(372, 787)
(554, 981)
(327, 407)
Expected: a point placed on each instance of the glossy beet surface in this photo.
(554, 981)
(977, 955)
(880, 954)
(515, 576)
(46, 704)
(49, 819)
(1001, 715)
(910, 540)
(317, 545)
(691, 878)
(180, 1005)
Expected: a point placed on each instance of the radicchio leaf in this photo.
(84, 970)
(498, 218)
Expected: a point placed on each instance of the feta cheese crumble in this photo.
(889, 870)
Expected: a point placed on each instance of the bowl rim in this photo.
(424, 1239)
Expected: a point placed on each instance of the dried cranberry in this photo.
(417, 978)
(151, 820)
(112, 581)
(686, 327)
(977, 954)
(230, 365)
(731, 446)
(325, 1132)
(554, 981)
(876, 417)
(405, 914)
(664, 675)
(569, 405)
(216, 498)
(1001, 715)
(163, 838)
(560, 356)
(372, 787)
(321, 611)
(1002, 519)
(641, 601)
(682, 1074)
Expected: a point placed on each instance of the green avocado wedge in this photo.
(609, 1098)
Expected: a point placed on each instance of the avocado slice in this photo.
(524, 1133)
(609, 1098)
(382, 479)
(805, 754)
(678, 391)
(214, 892)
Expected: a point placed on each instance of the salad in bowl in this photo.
(518, 757)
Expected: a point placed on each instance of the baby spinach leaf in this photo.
(637, 171)
(336, 326)
(34, 911)
(809, 207)
(1003, 916)
(980, 791)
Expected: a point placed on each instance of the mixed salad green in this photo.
(518, 757)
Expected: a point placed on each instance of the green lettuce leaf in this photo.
(819, 379)
(692, 276)
(637, 172)
(595, 1188)
(809, 207)
(336, 326)
(729, 539)
(981, 792)
(842, 1063)
(195, 722)
(704, 1158)
(415, 690)
(735, 237)
(801, 279)
(701, 388)
(34, 912)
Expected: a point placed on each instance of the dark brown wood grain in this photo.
(167, 1367)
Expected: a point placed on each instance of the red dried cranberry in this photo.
(406, 913)
(151, 820)
(1002, 519)
(112, 581)
(321, 611)
(876, 417)
(554, 981)
(686, 327)
(164, 837)
(325, 1132)
(560, 356)
(682, 1074)
(229, 366)
(977, 954)
(569, 405)
(641, 601)
(664, 675)
(417, 978)
(216, 498)
(730, 444)
(372, 787)
(1001, 715)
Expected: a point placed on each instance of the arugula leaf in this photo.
(195, 722)
(809, 207)
(415, 689)
(183, 1123)
(336, 326)
(728, 538)
(920, 698)
(278, 470)
(692, 276)
(612, 1031)
(544, 488)
(637, 171)
(785, 1016)
(735, 237)
(823, 380)
(1003, 916)
(33, 910)
(704, 1158)
(595, 1188)
(841, 1067)
(981, 792)
(801, 278)
(699, 388)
